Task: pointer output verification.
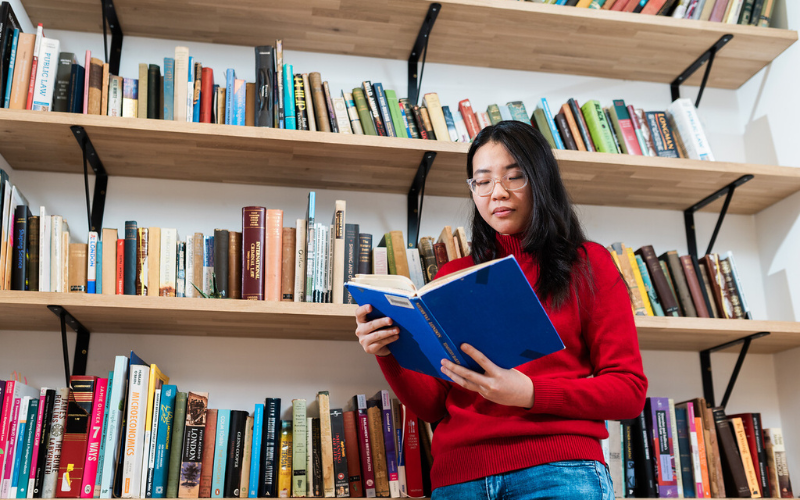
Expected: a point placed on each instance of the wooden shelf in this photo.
(158, 149)
(27, 311)
(486, 33)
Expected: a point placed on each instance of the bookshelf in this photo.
(194, 151)
(510, 35)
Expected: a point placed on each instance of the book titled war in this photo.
(192, 453)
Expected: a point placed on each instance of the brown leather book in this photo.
(732, 466)
(95, 86)
(234, 264)
(428, 257)
(679, 280)
(659, 280)
(709, 292)
(717, 477)
(142, 240)
(566, 133)
(440, 251)
(254, 220)
(209, 441)
(399, 249)
(250, 106)
(320, 106)
(573, 127)
(378, 449)
(351, 449)
(287, 264)
(446, 237)
(717, 282)
(77, 267)
(199, 244)
(698, 298)
(668, 275)
(730, 286)
(619, 251)
(154, 262)
(272, 286)
(22, 71)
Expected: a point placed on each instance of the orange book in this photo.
(701, 448)
(573, 127)
(272, 286)
(22, 71)
(631, 6)
(287, 263)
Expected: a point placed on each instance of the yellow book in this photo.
(431, 102)
(285, 461)
(154, 262)
(637, 275)
(747, 460)
(583, 3)
(156, 381)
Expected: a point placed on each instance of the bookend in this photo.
(416, 195)
(95, 215)
(705, 367)
(706, 56)
(110, 18)
(81, 342)
(420, 47)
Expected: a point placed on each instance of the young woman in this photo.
(531, 432)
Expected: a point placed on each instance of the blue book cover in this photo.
(27, 449)
(552, 125)
(98, 286)
(255, 454)
(220, 453)
(11, 63)
(169, 88)
(76, 76)
(435, 320)
(451, 124)
(230, 82)
(240, 102)
(388, 440)
(163, 439)
(102, 453)
(196, 105)
(684, 458)
(648, 285)
(288, 97)
(20, 442)
(405, 121)
(383, 106)
(190, 91)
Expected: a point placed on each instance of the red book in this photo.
(653, 6)
(626, 127)
(364, 446)
(88, 69)
(411, 452)
(34, 66)
(95, 436)
(353, 455)
(465, 107)
(756, 448)
(253, 238)
(120, 277)
(206, 94)
(209, 439)
(694, 286)
(440, 251)
(76, 436)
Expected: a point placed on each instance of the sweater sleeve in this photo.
(618, 387)
(425, 395)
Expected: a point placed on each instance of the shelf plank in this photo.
(505, 34)
(160, 149)
(27, 311)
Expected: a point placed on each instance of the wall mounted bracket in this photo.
(95, 215)
(420, 47)
(707, 56)
(416, 195)
(110, 19)
(705, 366)
(81, 343)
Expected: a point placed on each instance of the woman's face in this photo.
(507, 212)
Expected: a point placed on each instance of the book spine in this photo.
(26, 445)
(75, 439)
(274, 234)
(383, 108)
(130, 258)
(285, 462)
(328, 98)
(665, 296)
(191, 466)
(351, 452)
(134, 433)
(681, 286)
(351, 257)
(46, 75)
(364, 114)
(746, 458)
(10, 448)
(300, 261)
(212, 480)
(290, 119)
(95, 436)
(378, 450)
(374, 109)
(580, 121)
(312, 453)
(326, 445)
(730, 287)
(176, 445)
(352, 113)
(91, 272)
(270, 451)
(731, 454)
(300, 102)
(265, 74)
(389, 444)
(235, 454)
(340, 457)
(661, 132)
(253, 238)
(54, 443)
(321, 118)
(287, 275)
(623, 125)
(43, 433)
(598, 127)
(761, 456)
(255, 452)
(299, 458)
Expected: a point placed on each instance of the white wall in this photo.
(241, 372)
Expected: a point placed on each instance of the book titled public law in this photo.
(490, 306)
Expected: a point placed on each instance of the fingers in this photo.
(468, 379)
(361, 313)
(376, 341)
(479, 358)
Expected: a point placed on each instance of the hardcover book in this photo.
(191, 465)
(76, 436)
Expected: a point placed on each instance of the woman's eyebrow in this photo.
(486, 170)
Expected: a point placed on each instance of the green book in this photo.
(543, 126)
(386, 241)
(494, 114)
(394, 111)
(363, 112)
(518, 111)
(598, 127)
(27, 448)
(179, 422)
(747, 12)
(299, 445)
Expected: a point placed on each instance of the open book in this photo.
(490, 306)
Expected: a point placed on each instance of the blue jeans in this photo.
(568, 480)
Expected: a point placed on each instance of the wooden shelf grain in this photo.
(31, 140)
(27, 311)
(485, 33)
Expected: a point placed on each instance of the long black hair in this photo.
(554, 236)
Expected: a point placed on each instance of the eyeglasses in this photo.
(484, 186)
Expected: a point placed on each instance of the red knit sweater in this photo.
(597, 377)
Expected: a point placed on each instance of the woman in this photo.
(534, 431)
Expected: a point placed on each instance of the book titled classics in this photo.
(436, 319)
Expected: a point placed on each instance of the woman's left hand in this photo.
(501, 386)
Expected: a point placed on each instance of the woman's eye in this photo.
(481, 182)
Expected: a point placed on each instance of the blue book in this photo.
(102, 453)
(163, 438)
(169, 88)
(190, 93)
(310, 250)
(75, 104)
(435, 320)
(98, 286)
(648, 285)
(255, 454)
(220, 453)
(11, 62)
(24, 405)
(451, 124)
(230, 82)
(240, 100)
(552, 125)
(561, 2)
(288, 97)
(383, 106)
(683, 458)
(27, 449)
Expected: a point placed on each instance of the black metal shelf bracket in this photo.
(705, 367)
(95, 215)
(420, 47)
(707, 56)
(110, 19)
(81, 343)
(416, 195)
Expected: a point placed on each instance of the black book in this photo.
(300, 97)
(732, 466)
(579, 121)
(643, 458)
(8, 23)
(364, 253)
(129, 274)
(613, 132)
(19, 264)
(629, 465)
(214, 104)
(153, 98)
(409, 113)
(369, 95)
(270, 449)
(63, 78)
(233, 467)
(316, 457)
(75, 91)
(761, 453)
(221, 261)
(326, 90)
(33, 253)
(351, 250)
(265, 76)
(44, 439)
(341, 479)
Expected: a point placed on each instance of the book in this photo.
(299, 458)
(235, 454)
(780, 484)
(176, 445)
(192, 453)
(212, 479)
(378, 449)
(284, 478)
(245, 452)
(76, 437)
(745, 454)
(383, 110)
(95, 437)
(434, 110)
(255, 451)
(732, 467)
(598, 127)
(54, 442)
(682, 115)
(341, 480)
(364, 113)
(45, 427)
(155, 382)
(157, 481)
(254, 221)
(623, 125)
(326, 448)
(439, 308)
(350, 423)
(270, 451)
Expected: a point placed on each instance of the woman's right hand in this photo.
(369, 333)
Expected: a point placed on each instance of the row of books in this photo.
(672, 285)
(688, 450)
(749, 12)
(133, 435)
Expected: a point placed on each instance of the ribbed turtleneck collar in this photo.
(510, 244)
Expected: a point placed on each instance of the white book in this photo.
(736, 8)
(352, 113)
(379, 263)
(676, 451)
(181, 75)
(190, 92)
(116, 394)
(180, 268)
(169, 262)
(312, 122)
(15, 451)
(300, 262)
(684, 115)
(4, 229)
(114, 96)
(317, 261)
(505, 112)
(54, 443)
(64, 256)
(134, 433)
(680, 10)
(694, 443)
(342, 118)
(329, 240)
(190, 291)
(615, 466)
(46, 75)
(150, 444)
(44, 250)
(461, 129)
(322, 265)
(338, 251)
(91, 263)
(55, 254)
(415, 267)
(309, 458)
